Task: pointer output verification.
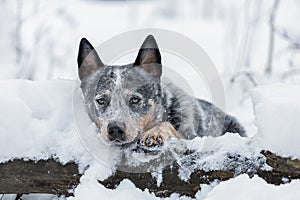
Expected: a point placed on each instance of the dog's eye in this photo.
(101, 101)
(135, 100)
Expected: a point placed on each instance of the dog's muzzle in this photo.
(116, 131)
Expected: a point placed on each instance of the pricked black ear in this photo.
(88, 59)
(149, 57)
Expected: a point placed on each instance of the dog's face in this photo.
(126, 100)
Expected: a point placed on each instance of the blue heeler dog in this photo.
(133, 104)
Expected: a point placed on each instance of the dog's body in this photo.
(132, 102)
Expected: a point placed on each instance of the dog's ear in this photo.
(149, 57)
(88, 59)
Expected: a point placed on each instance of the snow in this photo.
(277, 109)
(36, 120)
(243, 187)
(91, 189)
(212, 154)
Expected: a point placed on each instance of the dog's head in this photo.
(125, 100)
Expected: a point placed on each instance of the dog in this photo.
(133, 103)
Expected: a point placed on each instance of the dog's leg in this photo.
(158, 135)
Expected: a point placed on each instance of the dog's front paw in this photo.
(158, 135)
(152, 140)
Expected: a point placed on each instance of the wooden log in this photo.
(284, 170)
(49, 176)
(44, 176)
(171, 182)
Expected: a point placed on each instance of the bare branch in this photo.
(268, 69)
(248, 75)
(18, 33)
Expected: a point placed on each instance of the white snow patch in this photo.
(243, 187)
(36, 121)
(277, 108)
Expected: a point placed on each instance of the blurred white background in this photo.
(251, 42)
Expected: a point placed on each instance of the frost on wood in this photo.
(51, 177)
(284, 170)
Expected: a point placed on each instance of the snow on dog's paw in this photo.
(158, 135)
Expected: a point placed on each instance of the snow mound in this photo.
(36, 121)
(243, 187)
(277, 109)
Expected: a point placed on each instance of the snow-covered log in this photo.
(19, 176)
(284, 170)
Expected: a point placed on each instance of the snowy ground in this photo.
(37, 119)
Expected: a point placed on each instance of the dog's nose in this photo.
(116, 131)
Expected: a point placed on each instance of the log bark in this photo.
(44, 176)
(49, 176)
